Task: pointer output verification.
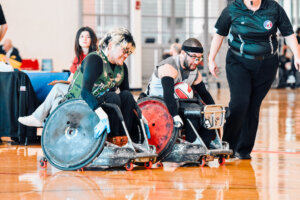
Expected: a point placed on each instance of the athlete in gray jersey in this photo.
(187, 76)
(180, 68)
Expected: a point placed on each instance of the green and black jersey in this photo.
(253, 32)
(95, 76)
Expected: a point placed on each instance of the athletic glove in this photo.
(146, 126)
(178, 123)
(103, 123)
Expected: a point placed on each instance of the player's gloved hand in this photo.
(178, 123)
(103, 123)
(146, 126)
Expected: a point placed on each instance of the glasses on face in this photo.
(197, 59)
(127, 51)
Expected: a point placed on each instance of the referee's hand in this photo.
(213, 68)
(297, 63)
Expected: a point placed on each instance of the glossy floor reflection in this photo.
(273, 173)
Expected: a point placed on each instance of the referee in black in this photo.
(3, 29)
(251, 63)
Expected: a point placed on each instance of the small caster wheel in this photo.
(43, 162)
(148, 165)
(159, 164)
(221, 160)
(202, 162)
(129, 166)
(80, 170)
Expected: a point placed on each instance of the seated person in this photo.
(85, 42)
(182, 68)
(100, 75)
(10, 55)
(175, 49)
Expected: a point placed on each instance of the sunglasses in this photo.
(197, 59)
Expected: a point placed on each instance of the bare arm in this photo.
(292, 42)
(214, 49)
(3, 29)
(167, 70)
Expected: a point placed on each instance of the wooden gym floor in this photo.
(273, 172)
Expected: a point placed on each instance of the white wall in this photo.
(136, 58)
(43, 29)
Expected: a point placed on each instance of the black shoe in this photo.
(243, 156)
(232, 156)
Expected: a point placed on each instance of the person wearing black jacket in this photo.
(10, 54)
(251, 63)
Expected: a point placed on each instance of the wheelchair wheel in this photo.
(163, 133)
(68, 139)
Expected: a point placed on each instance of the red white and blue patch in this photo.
(268, 24)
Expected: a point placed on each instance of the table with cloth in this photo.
(17, 98)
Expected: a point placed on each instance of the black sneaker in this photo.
(243, 156)
(232, 155)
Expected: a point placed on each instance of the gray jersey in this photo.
(155, 87)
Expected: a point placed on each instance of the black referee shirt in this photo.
(253, 32)
(2, 18)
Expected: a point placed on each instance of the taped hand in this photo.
(178, 123)
(103, 123)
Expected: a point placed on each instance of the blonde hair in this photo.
(117, 36)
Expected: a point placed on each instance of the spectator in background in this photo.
(175, 49)
(10, 55)
(3, 25)
(85, 42)
(166, 55)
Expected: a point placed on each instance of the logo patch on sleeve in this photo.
(268, 24)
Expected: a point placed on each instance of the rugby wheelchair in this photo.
(170, 141)
(69, 143)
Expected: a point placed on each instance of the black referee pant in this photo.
(249, 82)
